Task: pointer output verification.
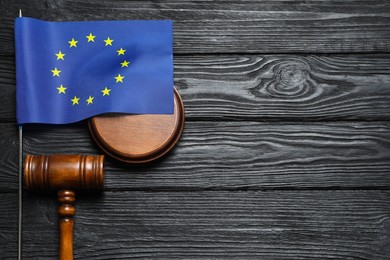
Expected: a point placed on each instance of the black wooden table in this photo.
(286, 148)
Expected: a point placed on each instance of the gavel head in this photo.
(56, 172)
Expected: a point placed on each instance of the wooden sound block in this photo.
(139, 138)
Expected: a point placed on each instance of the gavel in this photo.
(64, 174)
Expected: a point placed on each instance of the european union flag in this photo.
(69, 71)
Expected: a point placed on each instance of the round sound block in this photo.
(138, 138)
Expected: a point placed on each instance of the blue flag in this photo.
(69, 71)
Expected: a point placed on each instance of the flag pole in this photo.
(20, 192)
(20, 214)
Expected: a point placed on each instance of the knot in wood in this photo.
(292, 75)
(291, 81)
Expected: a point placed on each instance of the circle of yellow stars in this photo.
(106, 91)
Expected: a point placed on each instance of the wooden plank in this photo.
(9, 146)
(217, 225)
(7, 88)
(285, 87)
(316, 26)
(258, 87)
(238, 155)
(8, 225)
(231, 155)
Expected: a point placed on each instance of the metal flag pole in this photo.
(20, 192)
(20, 215)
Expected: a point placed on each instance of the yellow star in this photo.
(90, 37)
(119, 78)
(106, 91)
(108, 41)
(56, 72)
(121, 51)
(125, 63)
(90, 100)
(61, 89)
(73, 43)
(60, 55)
(75, 101)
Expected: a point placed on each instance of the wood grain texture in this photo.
(284, 156)
(8, 225)
(9, 152)
(285, 87)
(241, 155)
(7, 88)
(259, 87)
(217, 225)
(232, 26)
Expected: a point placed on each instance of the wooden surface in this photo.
(285, 153)
(275, 26)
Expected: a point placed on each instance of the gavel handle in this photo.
(66, 211)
